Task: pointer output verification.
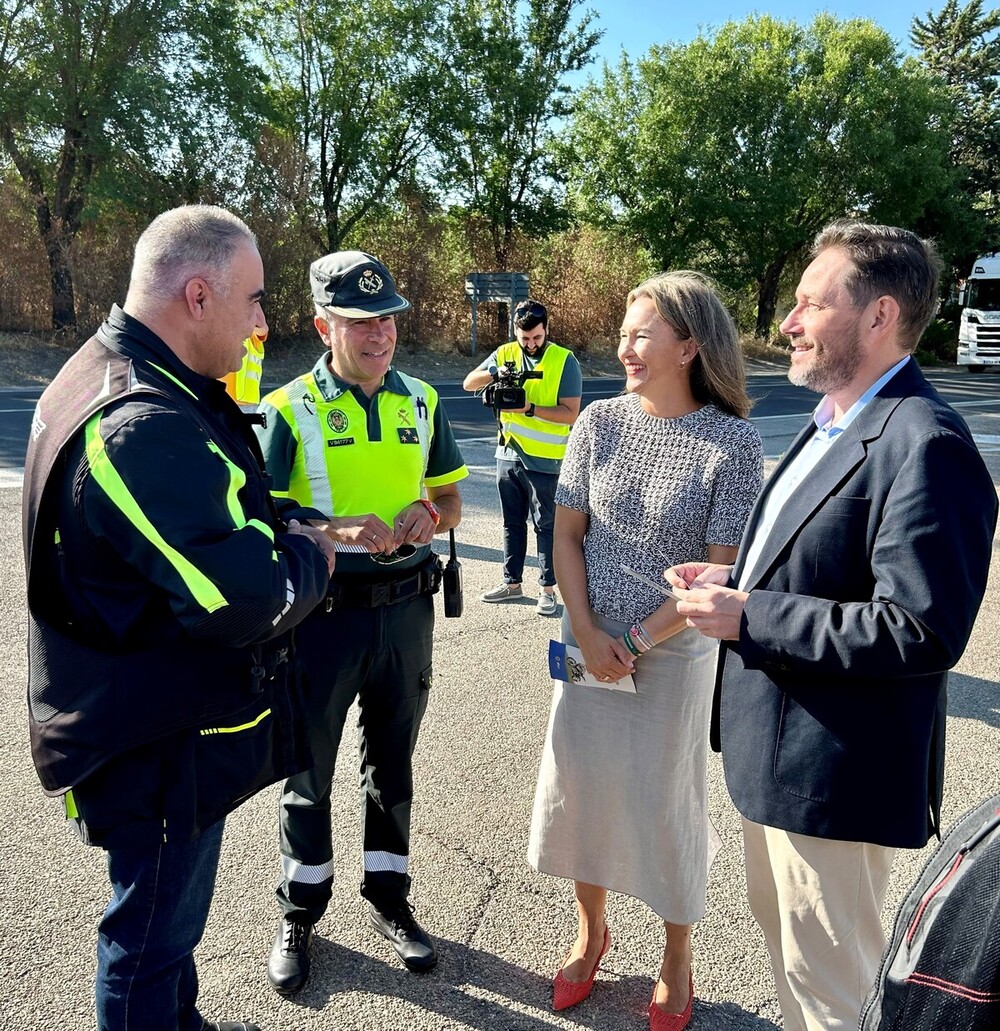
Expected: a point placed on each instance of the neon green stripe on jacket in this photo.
(107, 477)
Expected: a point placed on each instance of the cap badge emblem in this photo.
(370, 282)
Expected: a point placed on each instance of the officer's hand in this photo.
(319, 538)
(414, 525)
(367, 530)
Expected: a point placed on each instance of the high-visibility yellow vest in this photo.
(337, 468)
(244, 386)
(536, 436)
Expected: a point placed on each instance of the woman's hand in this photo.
(606, 657)
(698, 574)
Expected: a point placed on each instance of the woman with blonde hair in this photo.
(661, 474)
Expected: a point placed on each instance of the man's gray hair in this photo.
(197, 240)
(887, 261)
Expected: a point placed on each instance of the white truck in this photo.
(979, 327)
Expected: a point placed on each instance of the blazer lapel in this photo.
(758, 509)
(843, 458)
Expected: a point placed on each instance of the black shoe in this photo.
(411, 942)
(288, 964)
(228, 1025)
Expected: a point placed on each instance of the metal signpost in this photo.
(496, 286)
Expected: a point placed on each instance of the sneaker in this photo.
(411, 942)
(505, 592)
(547, 604)
(288, 964)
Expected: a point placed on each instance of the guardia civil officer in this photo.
(530, 447)
(161, 586)
(369, 454)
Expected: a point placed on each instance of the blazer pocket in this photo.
(834, 546)
(806, 755)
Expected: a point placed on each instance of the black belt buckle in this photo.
(381, 594)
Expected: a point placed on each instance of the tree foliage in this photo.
(962, 46)
(730, 152)
(106, 98)
(356, 85)
(509, 85)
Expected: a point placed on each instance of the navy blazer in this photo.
(830, 709)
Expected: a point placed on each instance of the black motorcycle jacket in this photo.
(161, 592)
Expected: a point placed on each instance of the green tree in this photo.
(962, 46)
(356, 87)
(509, 86)
(730, 152)
(101, 97)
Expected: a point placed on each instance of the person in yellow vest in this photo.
(368, 454)
(243, 386)
(530, 448)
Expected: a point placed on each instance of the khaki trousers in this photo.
(819, 903)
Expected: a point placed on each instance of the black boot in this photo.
(288, 964)
(228, 1025)
(412, 943)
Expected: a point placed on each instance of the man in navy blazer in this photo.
(854, 592)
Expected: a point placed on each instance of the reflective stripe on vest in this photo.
(337, 469)
(536, 436)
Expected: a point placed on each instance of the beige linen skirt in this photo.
(621, 794)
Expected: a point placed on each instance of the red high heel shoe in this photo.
(660, 1021)
(571, 993)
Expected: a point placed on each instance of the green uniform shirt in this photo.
(337, 452)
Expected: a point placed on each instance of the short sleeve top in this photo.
(657, 491)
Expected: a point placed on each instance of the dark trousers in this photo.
(146, 979)
(524, 493)
(382, 657)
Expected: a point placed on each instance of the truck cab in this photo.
(979, 327)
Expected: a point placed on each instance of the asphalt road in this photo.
(774, 397)
(502, 929)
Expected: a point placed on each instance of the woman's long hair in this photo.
(690, 302)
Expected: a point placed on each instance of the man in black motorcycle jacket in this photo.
(162, 586)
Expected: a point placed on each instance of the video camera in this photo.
(507, 389)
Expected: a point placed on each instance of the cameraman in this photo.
(530, 447)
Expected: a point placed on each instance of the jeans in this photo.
(523, 493)
(146, 979)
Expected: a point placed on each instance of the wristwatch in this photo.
(432, 508)
(531, 410)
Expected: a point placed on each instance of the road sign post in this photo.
(499, 287)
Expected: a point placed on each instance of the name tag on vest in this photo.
(340, 441)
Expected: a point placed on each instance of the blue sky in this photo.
(636, 24)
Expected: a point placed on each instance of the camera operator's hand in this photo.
(366, 530)
(414, 525)
(606, 657)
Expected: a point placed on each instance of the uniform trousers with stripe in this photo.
(819, 903)
(381, 657)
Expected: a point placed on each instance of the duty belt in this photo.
(367, 594)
